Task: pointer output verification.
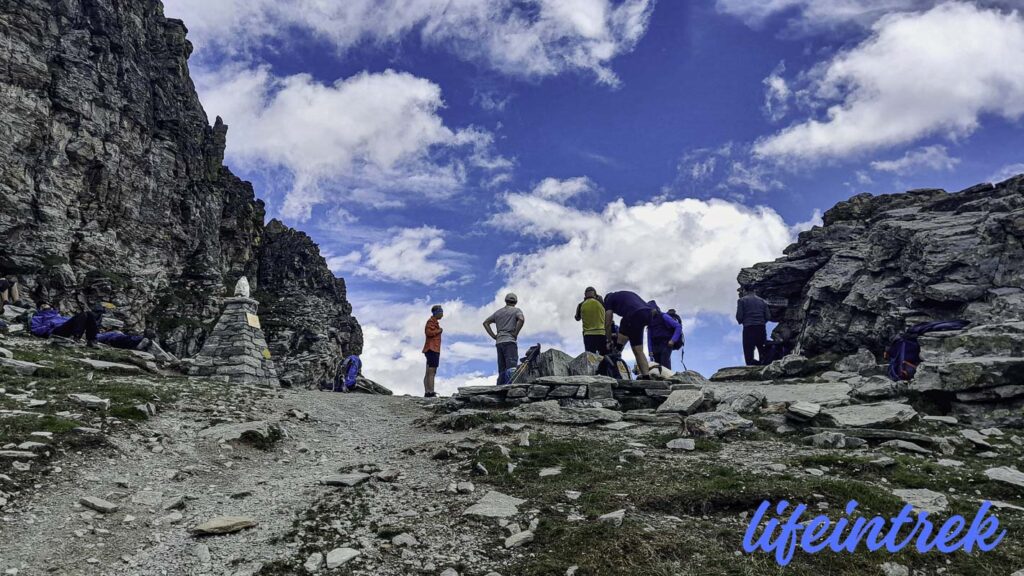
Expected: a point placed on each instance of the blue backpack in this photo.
(904, 353)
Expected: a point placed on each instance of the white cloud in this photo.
(810, 16)
(523, 38)
(372, 139)
(562, 190)
(928, 157)
(776, 94)
(917, 75)
(341, 265)
(413, 254)
(1007, 172)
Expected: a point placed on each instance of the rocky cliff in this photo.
(882, 263)
(112, 187)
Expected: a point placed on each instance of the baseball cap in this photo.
(510, 297)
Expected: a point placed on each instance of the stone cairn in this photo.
(236, 349)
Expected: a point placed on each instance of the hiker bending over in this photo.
(508, 321)
(753, 313)
(145, 343)
(636, 315)
(664, 334)
(432, 349)
(48, 322)
(348, 373)
(591, 313)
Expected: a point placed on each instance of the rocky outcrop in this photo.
(882, 263)
(113, 188)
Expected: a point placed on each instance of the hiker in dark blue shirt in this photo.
(664, 334)
(636, 315)
(48, 322)
(753, 313)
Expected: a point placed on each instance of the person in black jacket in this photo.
(753, 313)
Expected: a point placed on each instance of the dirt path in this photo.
(53, 534)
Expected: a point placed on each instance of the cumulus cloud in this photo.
(776, 94)
(372, 139)
(928, 157)
(917, 75)
(522, 38)
(413, 255)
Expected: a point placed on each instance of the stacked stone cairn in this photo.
(236, 350)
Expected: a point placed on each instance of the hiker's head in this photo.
(511, 299)
(437, 311)
(43, 306)
(590, 292)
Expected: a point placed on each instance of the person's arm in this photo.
(487, 326)
(739, 311)
(579, 311)
(608, 318)
(767, 310)
(520, 320)
(650, 345)
(677, 329)
(433, 329)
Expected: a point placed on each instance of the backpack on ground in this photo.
(525, 364)
(347, 373)
(904, 353)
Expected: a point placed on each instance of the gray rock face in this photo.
(880, 264)
(585, 364)
(113, 188)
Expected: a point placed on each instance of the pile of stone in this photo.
(236, 349)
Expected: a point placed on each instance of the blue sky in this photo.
(448, 151)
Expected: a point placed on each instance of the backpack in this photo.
(774, 350)
(682, 337)
(526, 363)
(613, 366)
(904, 353)
(343, 380)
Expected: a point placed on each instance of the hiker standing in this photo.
(508, 321)
(9, 293)
(432, 349)
(663, 335)
(753, 313)
(591, 313)
(636, 315)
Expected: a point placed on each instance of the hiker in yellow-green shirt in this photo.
(591, 313)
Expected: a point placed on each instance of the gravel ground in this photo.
(50, 533)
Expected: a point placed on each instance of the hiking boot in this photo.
(430, 395)
(93, 344)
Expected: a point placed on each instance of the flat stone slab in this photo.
(495, 505)
(478, 390)
(905, 446)
(877, 415)
(824, 393)
(550, 411)
(98, 504)
(17, 454)
(349, 480)
(803, 411)
(89, 401)
(104, 366)
(573, 380)
(224, 525)
(20, 366)
(923, 499)
(1006, 475)
(682, 402)
(686, 444)
(617, 426)
(738, 373)
(884, 434)
(975, 437)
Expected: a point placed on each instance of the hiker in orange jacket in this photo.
(432, 349)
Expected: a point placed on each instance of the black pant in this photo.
(662, 353)
(87, 323)
(508, 357)
(595, 343)
(754, 337)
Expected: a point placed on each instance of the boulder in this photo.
(716, 424)
(879, 388)
(863, 363)
(551, 362)
(585, 364)
(877, 415)
(340, 556)
(1006, 475)
(686, 444)
(260, 433)
(803, 411)
(550, 411)
(743, 402)
(787, 367)
(689, 378)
